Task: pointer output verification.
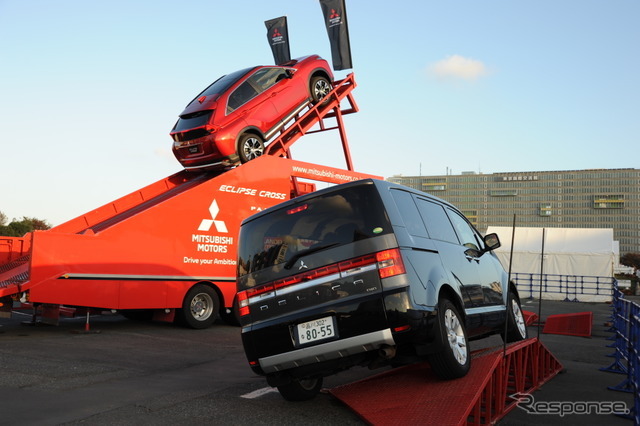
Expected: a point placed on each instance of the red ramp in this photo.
(414, 395)
(577, 324)
(530, 318)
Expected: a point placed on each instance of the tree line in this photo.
(631, 259)
(19, 227)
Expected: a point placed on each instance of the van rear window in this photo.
(335, 218)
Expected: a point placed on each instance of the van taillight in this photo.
(243, 303)
(390, 263)
(244, 296)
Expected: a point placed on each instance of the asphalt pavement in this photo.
(581, 387)
(130, 373)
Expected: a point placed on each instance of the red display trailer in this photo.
(167, 250)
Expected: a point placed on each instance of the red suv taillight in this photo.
(388, 262)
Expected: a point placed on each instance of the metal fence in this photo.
(570, 288)
(626, 343)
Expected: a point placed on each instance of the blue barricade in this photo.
(626, 326)
(570, 288)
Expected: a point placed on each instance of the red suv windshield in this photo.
(223, 83)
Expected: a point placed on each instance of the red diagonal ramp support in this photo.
(316, 115)
(414, 395)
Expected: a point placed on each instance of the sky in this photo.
(89, 90)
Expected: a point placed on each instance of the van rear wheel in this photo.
(301, 389)
(452, 360)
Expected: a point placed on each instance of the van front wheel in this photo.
(516, 325)
(301, 389)
(452, 360)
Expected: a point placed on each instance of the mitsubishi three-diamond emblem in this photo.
(205, 225)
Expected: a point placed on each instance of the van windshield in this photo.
(335, 218)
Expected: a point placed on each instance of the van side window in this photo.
(409, 213)
(467, 235)
(438, 224)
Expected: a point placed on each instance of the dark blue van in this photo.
(367, 273)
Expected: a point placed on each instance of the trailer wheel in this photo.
(200, 307)
(320, 87)
(453, 359)
(250, 146)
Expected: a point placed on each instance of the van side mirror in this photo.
(491, 242)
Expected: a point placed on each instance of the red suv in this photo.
(233, 117)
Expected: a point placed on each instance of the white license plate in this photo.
(312, 331)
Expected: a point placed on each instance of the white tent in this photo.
(572, 257)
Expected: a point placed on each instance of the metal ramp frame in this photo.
(316, 115)
(414, 395)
